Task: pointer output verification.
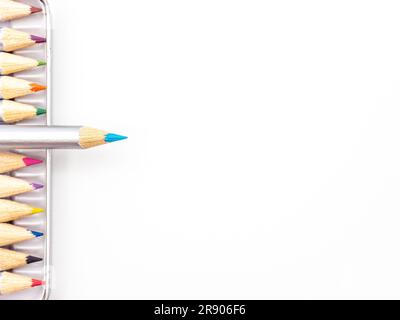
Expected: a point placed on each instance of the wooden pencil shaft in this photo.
(10, 234)
(10, 10)
(11, 210)
(12, 63)
(11, 40)
(10, 186)
(11, 259)
(10, 162)
(11, 282)
(13, 87)
(39, 137)
(12, 111)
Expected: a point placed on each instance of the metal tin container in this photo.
(37, 24)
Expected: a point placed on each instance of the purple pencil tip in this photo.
(38, 39)
(36, 186)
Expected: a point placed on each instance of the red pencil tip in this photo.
(30, 161)
(37, 283)
(37, 87)
(35, 10)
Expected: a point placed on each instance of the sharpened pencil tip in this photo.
(37, 87)
(37, 234)
(35, 10)
(37, 210)
(37, 283)
(38, 39)
(31, 162)
(40, 111)
(32, 259)
(112, 137)
(41, 63)
(37, 186)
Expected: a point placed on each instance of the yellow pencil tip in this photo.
(37, 210)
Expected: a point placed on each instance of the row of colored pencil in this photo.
(25, 137)
(13, 112)
(9, 212)
(11, 10)
(11, 87)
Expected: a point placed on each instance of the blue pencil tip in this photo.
(37, 234)
(111, 137)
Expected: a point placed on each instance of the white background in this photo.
(264, 152)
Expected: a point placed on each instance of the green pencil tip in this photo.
(40, 111)
(41, 63)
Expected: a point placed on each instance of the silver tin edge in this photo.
(48, 259)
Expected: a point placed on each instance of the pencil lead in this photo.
(40, 111)
(41, 63)
(32, 259)
(36, 210)
(37, 283)
(35, 10)
(111, 137)
(37, 87)
(37, 186)
(30, 161)
(37, 234)
(38, 39)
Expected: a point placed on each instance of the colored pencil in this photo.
(11, 40)
(12, 63)
(11, 283)
(10, 186)
(13, 259)
(54, 137)
(13, 112)
(10, 10)
(10, 234)
(11, 87)
(11, 210)
(14, 161)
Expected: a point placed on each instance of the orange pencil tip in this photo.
(37, 87)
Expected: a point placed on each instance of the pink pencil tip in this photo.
(35, 10)
(30, 161)
(37, 283)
